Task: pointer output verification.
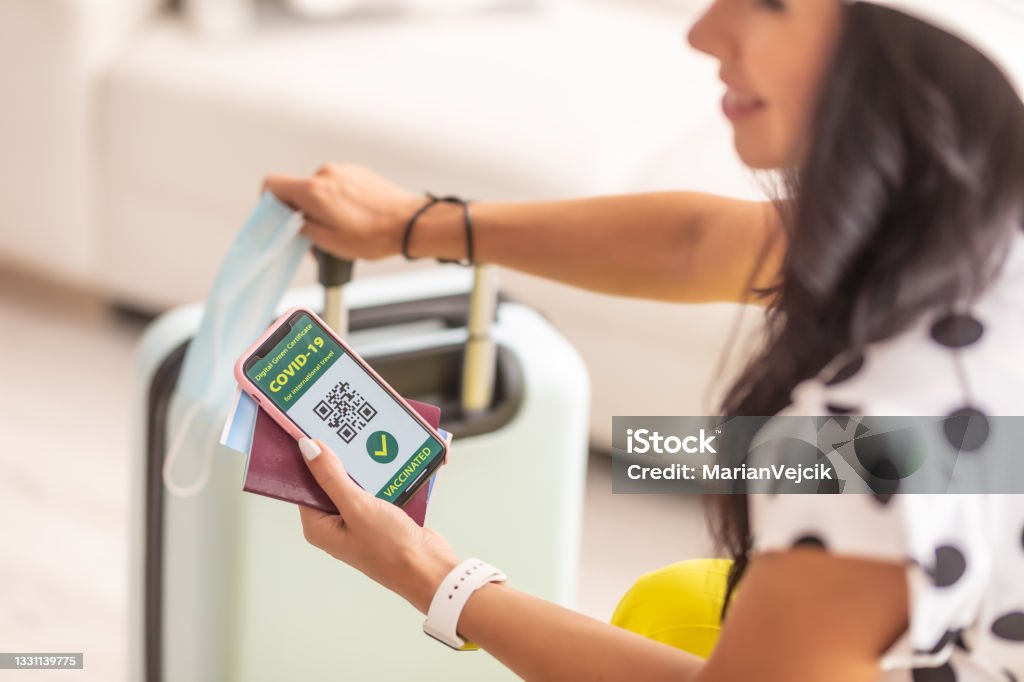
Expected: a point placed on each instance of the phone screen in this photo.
(330, 396)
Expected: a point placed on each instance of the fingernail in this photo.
(309, 449)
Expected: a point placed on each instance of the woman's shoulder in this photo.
(945, 363)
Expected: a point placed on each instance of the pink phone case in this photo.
(287, 424)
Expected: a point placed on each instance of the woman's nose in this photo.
(708, 34)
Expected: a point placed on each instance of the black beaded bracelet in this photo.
(467, 220)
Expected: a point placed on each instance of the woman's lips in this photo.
(736, 105)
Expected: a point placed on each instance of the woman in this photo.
(893, 271)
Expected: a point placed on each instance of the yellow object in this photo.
(679, 605)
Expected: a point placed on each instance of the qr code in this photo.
(346, 410)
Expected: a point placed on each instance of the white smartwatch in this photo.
(451, 597)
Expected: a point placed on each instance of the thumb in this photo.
(330, 474)
(290, 189)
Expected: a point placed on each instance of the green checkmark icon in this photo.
(381, 446)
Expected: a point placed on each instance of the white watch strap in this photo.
(451, 597)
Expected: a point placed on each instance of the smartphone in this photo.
(315, 386)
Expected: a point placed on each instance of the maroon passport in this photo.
(276, 468)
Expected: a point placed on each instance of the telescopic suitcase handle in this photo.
(480, 359)
(479, 363)
(334, 274)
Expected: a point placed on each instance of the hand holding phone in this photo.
(312, 384)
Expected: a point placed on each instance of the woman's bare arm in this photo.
(669, 246)
(803, 616)
(799, 616)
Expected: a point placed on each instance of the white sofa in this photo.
(134, 147)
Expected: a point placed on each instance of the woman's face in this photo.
(773, 54)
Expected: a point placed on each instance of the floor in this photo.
(65, 412)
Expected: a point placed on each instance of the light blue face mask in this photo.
(253, 277)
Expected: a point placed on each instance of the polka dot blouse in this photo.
(965, 553)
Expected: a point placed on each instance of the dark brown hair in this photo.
(911, 189)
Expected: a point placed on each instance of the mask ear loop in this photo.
(174, 451)
(172, 457)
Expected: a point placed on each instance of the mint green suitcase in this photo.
(224, 587)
